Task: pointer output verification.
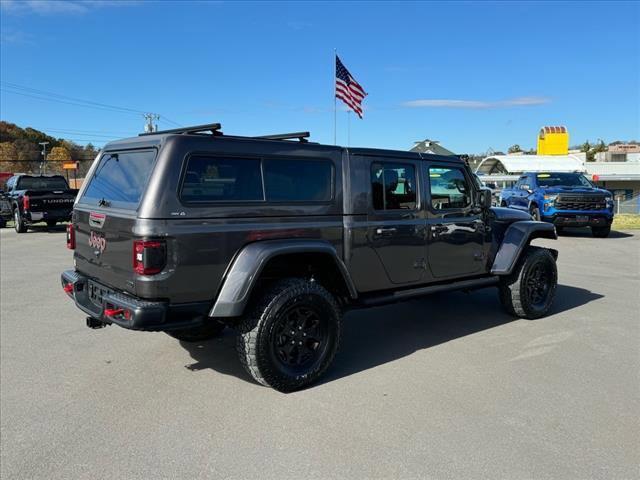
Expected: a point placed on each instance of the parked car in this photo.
(39, 198)
(6, 213)
(188, 232)
(564, 199)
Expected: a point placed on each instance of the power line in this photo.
(73, 130)
(48, 96)
(65, 102)
(66, 97)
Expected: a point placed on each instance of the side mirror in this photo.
(485, 198)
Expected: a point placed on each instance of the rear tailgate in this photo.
(104, 246)
(105, 216)
(56, 202)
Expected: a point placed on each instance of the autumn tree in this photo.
(59, 154)
(8, 152)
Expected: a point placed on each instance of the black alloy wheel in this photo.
(537, 284)
(290, 336)
(299, 338)
(530, 289)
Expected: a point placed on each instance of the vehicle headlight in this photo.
(550, 198)
(609, 202)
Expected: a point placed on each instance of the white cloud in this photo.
(16, 37)
(476, 104)
(53, 7)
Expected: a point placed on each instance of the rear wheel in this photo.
(291, 336)
(18, 222)
(209, 329)
(601, 232)
(529, 291)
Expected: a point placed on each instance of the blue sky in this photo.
(472, 75)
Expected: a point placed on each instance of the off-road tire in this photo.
(559, 230)
(257, 340)
(209, 329)
(601, 232)
(18, 222)
(514, 291)
(535, 213)
(51, 223)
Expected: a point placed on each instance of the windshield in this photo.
(41, 183)
(120, 179)
(562, 180)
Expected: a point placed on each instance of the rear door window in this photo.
(393, 186)
(120, 178)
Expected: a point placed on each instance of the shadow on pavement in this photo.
(42, 228)
(375, 336)
(586, 232)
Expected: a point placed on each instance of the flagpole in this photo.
(335, 109)
(348, 128)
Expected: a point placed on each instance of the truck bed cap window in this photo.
(120, 179)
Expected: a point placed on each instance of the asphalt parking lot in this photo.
(443, 387)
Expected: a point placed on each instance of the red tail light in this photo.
(71, 237)
(149, 256)
(68, 288)
(26, 202)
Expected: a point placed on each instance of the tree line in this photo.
(20, 151)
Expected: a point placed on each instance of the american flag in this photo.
(347, 89)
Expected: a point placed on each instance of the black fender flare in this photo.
(245, 269)
(516, 238)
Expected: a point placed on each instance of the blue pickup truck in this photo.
(564, 199)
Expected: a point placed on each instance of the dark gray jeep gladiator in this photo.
(189, 231)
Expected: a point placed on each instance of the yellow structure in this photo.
(553, 141)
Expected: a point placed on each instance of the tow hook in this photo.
(95, 323)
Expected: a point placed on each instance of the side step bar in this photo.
(422, 291)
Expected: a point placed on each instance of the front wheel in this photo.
(291, 337)
(601, 232)
(18, 222)
(210, 329)
(535, 214)
(529, 291)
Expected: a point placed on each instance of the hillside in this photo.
(20, 150)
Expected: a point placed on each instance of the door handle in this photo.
(386, 231)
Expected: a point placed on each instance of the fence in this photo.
(631, 205)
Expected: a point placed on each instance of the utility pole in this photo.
(44, 156)
(150, 126)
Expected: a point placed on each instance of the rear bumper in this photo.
(128, 311)
(47, 216)
(579, 219)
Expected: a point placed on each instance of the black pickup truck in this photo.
(39, 198)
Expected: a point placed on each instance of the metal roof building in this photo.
(516, 164)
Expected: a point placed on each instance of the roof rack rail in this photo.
(214, 128)
(303, 137)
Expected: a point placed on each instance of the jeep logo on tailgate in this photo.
(98, 242)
